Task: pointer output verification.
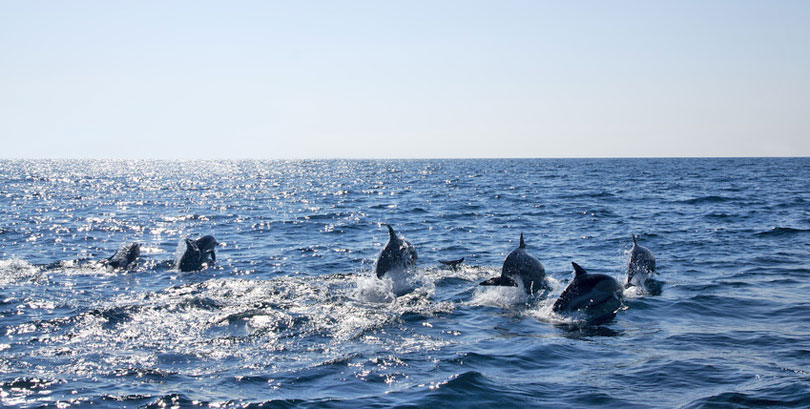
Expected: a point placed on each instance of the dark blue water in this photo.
(290, 316)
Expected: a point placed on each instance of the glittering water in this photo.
(290, 314)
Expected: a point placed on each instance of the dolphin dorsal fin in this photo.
(634, 240)
(522, 244)
(578, 271)
(391, 234)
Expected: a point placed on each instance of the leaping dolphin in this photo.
(397, 254)
(520, 265)
(197, 253)
(124, 256)
(640, 266)
(598, 296)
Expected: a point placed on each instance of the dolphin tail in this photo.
(500, 281)
(452, 263)
(578, 270)
(522, 244)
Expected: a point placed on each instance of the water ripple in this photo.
(291, 316)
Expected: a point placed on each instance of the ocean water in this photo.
(291, 316)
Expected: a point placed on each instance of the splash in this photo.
(13, 270)
(375, 290)
(500, 296)
(545, 312)
(635, 292)
(178, 254)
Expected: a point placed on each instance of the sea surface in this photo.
(290, 315)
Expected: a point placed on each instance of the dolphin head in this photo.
(206, 242)
(412, 252)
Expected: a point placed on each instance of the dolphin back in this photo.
(598, 296)
(397, 253)
(197, 253)
(192, 257)
(125, 256)
(520, 265)
(385, 261)
(640, 265)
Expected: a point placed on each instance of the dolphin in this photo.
(397, 254)
(453, 264)
(523, 266)
(197, 252)
(640, 266)
(124, 256)
(598, 296)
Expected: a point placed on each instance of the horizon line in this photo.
(399, 158)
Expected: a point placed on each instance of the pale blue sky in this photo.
(410, 79)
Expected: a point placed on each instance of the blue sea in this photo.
(290, 314)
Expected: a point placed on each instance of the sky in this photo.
(403, 79)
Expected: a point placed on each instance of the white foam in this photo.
(635, 292)
(553, 284)
(395, 283)
(178, 253)
(244, 319)
(545, 312)
(371, 289)
(90, 268)
(499, 296)
(403, 280)
(151, 250)
(463, 272)
(12, 270)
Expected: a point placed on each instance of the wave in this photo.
(114, 316)
(29, 383)
(499, 296)
(175, 400)
(251, 317)
(724, 216)
(145, 373)
(291, 315)
(791, 395)
(777, 232)
(588, 195)
(719, 306)
(15, 270)
(707, 199)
